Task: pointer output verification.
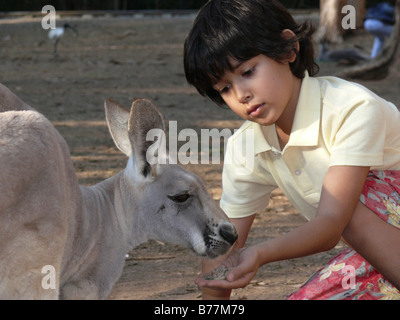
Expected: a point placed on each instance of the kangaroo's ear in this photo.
(145, 117)
(117, 120)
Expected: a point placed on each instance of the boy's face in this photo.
(261, 90)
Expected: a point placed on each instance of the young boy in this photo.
(333, 148)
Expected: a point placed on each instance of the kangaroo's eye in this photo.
(180, 198)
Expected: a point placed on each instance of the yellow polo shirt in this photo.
(336, 123)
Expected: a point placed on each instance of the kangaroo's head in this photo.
(172, 203)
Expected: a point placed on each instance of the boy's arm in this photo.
(339, 198)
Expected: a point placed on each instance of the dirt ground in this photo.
(137, 56)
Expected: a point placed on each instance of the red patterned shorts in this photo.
(348, 276)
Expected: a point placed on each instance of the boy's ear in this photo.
(288, 34)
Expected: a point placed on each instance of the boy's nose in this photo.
(245, 98)
(243, 95)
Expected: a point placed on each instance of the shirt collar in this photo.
(305, 130)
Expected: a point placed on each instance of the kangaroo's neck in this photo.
(112, 205)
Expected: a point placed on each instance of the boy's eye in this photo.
(248, 72)
(224, 90)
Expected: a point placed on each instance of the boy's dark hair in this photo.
(242, 29)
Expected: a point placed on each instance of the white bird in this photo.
(55, 35)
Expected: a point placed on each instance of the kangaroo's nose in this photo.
(228, 233)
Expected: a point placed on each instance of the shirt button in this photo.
(297, 172)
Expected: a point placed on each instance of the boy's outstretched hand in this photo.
(242, 265)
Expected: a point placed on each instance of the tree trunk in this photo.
(378, 68)
(330, 28)
(360, 11)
